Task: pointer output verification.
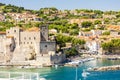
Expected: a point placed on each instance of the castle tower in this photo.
(44, 33)
(14, 32)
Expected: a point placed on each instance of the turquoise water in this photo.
(69, 73)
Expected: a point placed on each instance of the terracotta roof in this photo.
(2, 32)
(9, 36)
(33, 29)
(114, 27)
(88, 32)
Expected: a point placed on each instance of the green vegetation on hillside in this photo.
(68, 23)
(5, 25)
(114, 43)
(71, 52)
(61, 40)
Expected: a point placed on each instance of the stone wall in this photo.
(46, 46)
(44, 33)
(23, 46)
(2, 44)
(58, 58)
(29, 38)
(44, 60)
(14, 32)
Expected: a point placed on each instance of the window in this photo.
(34, 38)
(14, 30)
(45, 45)
(31, 42)
(27, 42)
(24, 42)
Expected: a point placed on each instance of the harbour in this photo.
(69, 73)
(59, 40)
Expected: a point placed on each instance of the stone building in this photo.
(29, 47)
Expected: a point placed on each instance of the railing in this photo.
(19, 76)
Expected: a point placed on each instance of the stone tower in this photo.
(44, 33)
(14, 32)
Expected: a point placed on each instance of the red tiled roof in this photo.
(2, 32)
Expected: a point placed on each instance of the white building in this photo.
(96, 32)
(93, 46)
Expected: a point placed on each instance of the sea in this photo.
(74, 73)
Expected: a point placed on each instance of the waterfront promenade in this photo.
(19, 76)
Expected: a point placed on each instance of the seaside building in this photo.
(29, 47)
(93, 46)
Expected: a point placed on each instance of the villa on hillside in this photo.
(91, 33)
(114, 33)
(24, 17)
(93, 46)
(2, 17)
(29, 47)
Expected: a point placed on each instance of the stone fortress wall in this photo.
(21, 45)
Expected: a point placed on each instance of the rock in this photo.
(106, 68)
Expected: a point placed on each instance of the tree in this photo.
(118, 15)
(71, 52)
(60, 41)
(1, 4)
(76, 41)
(106, 33)
(97, 22)
(98, 12)
(74, 26)
(106, 21)
(74, 32)
(86, 24)
(111, 46)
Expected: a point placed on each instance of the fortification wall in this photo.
(46, 46)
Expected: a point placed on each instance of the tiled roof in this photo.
(33, 29)
(114, 27)
(2, 32)
(9, 36)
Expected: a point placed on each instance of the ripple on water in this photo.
(69, 73)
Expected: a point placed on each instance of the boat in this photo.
(78, 62)
(85, 74)
(42, 79)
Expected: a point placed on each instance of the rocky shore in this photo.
(105, 68)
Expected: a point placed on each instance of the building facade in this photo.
(33, 45)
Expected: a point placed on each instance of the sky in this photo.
(104, 5)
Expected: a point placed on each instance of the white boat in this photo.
(42, 79)
(85, 74)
